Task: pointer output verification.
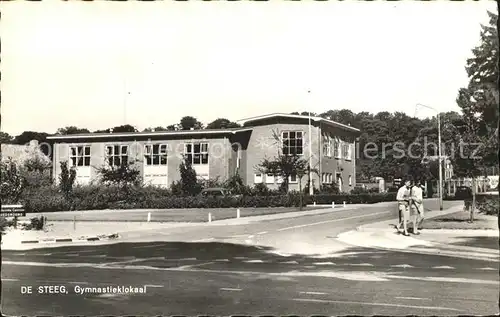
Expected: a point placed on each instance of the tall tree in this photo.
(71, 130)
(188, 123)
(477, 141)
(189, 181)
(222, 123)
(27, 136)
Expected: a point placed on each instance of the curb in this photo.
(89, 239)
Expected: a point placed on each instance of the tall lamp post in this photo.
(311, 189)
(440, 155)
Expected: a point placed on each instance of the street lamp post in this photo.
(311, 190)
(440, 170)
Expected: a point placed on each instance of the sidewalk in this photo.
(383, 235)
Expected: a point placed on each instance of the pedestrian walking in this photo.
(417, 206)
(403, 197)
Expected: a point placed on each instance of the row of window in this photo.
(333, 148)
(327, 178)
(154, 154)
(271, 179)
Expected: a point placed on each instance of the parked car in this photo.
(218, 193)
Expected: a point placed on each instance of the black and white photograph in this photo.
(254, 158)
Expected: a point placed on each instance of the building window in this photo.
(329, 178)
(336, 149)
(155, 154)
(327, 148)
(350, 180)
(345, 151)
(79, 155)
(292, 142)
(258, 178)
(293, 179)
(196, 153)
(269, 179)
(116, 155)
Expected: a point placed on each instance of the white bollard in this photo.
(149, 216)
(314, 203)
(237, 213)
(209, 217)
(333, 204)
(74, 223)
(344, 204)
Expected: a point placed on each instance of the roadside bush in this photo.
(37, 223)
(367, 198)
(488, 204)
(46, 199)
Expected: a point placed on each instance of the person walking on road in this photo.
(417, 206)
(403, 197)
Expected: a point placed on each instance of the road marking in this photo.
(10, 280)
(403, 266)
(328, 221)
(290, 262)
(186, 259)
(263, 232)
(97, 256)
(231, 289)
(240, 257)
(323, 263)
(370, 304)
(487, 269)
(254, 261)
(72, 254)
(183, 267)
(313, 293)
(222, 260)
(444, 267)
(204, 240)
(153, 285)
(361, 264)
(411, 298)
(444, 279)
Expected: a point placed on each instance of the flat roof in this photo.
(296, 116)
(147, 134)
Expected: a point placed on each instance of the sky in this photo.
(96, 65)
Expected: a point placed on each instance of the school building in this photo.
(218, 153)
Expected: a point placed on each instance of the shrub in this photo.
(11, 182)
(37, 223)
(46, 199)
(488, 204)
(67, 178)
(124, 174)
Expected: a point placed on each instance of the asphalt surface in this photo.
(281, 267)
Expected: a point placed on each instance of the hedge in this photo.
(366, 198)
(49, 199)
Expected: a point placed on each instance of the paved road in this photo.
(235, 271)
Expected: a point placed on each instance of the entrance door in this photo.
(155, 165)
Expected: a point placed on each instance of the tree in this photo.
(122, 175)
(222, 123)
(103, 131)
(11, 182)
(157, 129)
(5, 138)
(188, 123)
(477, 139)
(28, 136)
(124, 128)
(189, 182)
(67, 178)
(71, 130)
